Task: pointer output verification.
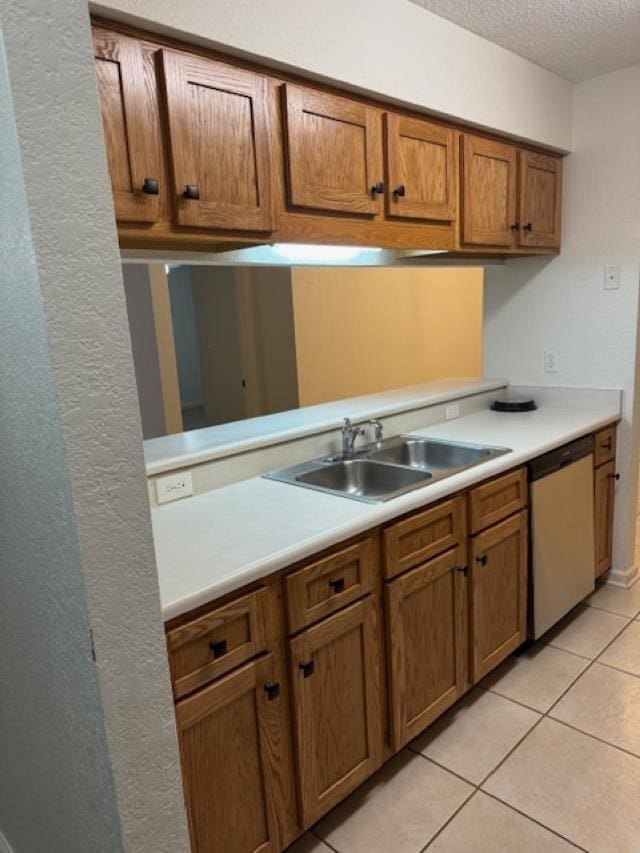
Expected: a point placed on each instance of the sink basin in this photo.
(427, 454)
(363, 479)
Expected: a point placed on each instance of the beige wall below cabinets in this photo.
(410, 326)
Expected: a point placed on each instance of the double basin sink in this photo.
(387, 469)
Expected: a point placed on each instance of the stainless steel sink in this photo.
(431, 455)
(386, 469)
(363, 479)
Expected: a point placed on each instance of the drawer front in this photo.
(213, 644)
(498, 499)
(605, 446)
(417, 539)
(327, 585)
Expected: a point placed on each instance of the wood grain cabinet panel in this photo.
(335, 680)
(489, 192)
(130, 123)
(421, 536)
(229, 736)
(220, 152)
(604, 501)
(540, 217)
(420, 169)
(426, 642)
(325, 586)
(497, 499)
(604, 448)
(217, 642)
(332, 152)
(498, 572)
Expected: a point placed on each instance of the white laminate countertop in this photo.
(211, 544)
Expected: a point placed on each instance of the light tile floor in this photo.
(543, 756)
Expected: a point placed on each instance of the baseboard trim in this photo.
(623, 579)
(4, 845)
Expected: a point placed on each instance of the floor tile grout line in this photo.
(448, 821)
(442, 767)
(515, 701)
(617, 668)
(533, 820)
(614, 612)
(315, 835)
(595, 737)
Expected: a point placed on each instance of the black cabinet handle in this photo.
(482, 559)
(615, 476)
(307, 668)
(219, 648)
(400, 191)
(515, 226)
(528, 226)
(337, 585)
(150, 186)
(607, 445)
(464, 570)
(377, 189)
(191, 191)
(272, 691)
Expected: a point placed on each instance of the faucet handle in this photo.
(378, 429)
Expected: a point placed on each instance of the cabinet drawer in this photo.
(213, 644)
(327, 585)
(417, 539)
(605, 446)
(497, 499)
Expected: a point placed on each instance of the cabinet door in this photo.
(604, 484)
(335, 676)
(229, 735)
(220, 151)
(427, 639)
(489, 180)
(420, 164)
(127, 108)
(540, 200)
(333, 152)
(498, 566)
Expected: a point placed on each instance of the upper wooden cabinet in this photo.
(540, 200)
(228, 734)
(131, 134)
(219, 137)
(337, 699)
(332, 152)
(420, 160)
(489, 192)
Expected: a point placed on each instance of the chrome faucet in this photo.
(349, 435)
(378, 430)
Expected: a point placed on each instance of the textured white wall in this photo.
(76, 539)
(390, 48)
(560, 304)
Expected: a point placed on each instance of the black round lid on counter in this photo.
(515, 405)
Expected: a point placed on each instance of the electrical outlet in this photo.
(174, 487)
(550, 361)
(611, 278)
(452, 411)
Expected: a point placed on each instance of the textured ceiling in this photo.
(577, 39)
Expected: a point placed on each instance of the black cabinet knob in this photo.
(337, 585)
(191, 191)
(377, 189)
(400, 191)
(307, 668)
(482, 559)
(272, 691)
(615, 476)
(528, 226)
(150, 186)
(219, 648)
(607, 445)
(515, 226)
(463, 570)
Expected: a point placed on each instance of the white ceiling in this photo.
(577, 39)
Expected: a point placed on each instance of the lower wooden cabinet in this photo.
(426, 642)
(337, 706)
(498, 572)
(229, 737)
(604, 498)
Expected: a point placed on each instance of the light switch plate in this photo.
(174, 487)
(611, 278)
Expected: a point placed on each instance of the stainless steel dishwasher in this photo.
(562, 537)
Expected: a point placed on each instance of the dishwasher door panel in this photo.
(562, 542)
